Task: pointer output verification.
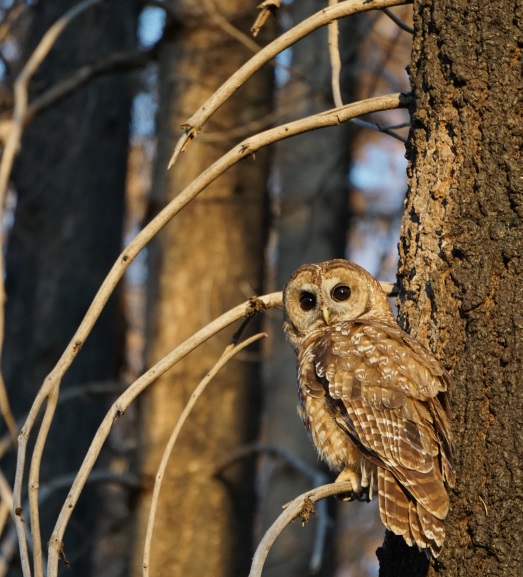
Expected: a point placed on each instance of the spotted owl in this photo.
(372, 398)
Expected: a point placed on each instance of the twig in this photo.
(194, 124)
(248, 308)
(384, 129)
(34, 482)
(228, 354)
(398, 21)
(300, 507)
(119, 61)
(334, 55)
(266, 8)
(6, 506)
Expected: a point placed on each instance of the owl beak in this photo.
(326, 314)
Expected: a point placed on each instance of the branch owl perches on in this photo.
(372, 398)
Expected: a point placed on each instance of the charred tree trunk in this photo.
(462, 265)
(209, 259)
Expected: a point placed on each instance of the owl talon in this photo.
(362, 495)
(352, 496)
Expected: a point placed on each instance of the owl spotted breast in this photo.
(372, 398)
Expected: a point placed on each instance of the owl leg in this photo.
(360, 485)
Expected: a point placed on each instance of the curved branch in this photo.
(229, 353)
(301, 507)
(20, 88)
(248, 147)
(335, 58)
(398, 21)
(249, 308)
(194, 124)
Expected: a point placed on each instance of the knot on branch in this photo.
(256, 305)
(307, 509)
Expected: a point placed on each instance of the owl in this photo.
(372, 398)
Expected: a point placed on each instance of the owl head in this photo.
(327, 293)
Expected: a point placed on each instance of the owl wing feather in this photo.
(388, 385)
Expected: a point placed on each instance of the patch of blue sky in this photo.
(150, 25)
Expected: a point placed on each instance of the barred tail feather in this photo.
(404, 516)
(394, 505)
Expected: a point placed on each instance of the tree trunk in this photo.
(461, 263)
(209, 259)
(70, 183)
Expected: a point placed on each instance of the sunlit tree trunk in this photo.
(209, 259)
(70, 181)
(461, 266)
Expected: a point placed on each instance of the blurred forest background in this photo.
(104, 112)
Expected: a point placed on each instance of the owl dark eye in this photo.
(307, 301)
(341, 292)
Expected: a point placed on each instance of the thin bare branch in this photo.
(6, 501)
(119, 61)
(251, 307)
(398, 21)
(34, 482)
(266, 8)
(194, 124)
(229, 353)
(301, 506)
(390, 130)
(334, 55)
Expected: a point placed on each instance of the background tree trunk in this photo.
(209, 259)
(70, 182)
(461, 263)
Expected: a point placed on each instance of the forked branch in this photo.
(194, 124)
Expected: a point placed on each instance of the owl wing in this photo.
(388, 386)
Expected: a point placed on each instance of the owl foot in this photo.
(359, 492)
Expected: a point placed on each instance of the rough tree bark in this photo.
(70, 183)
(209, 259)
(462, 264)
